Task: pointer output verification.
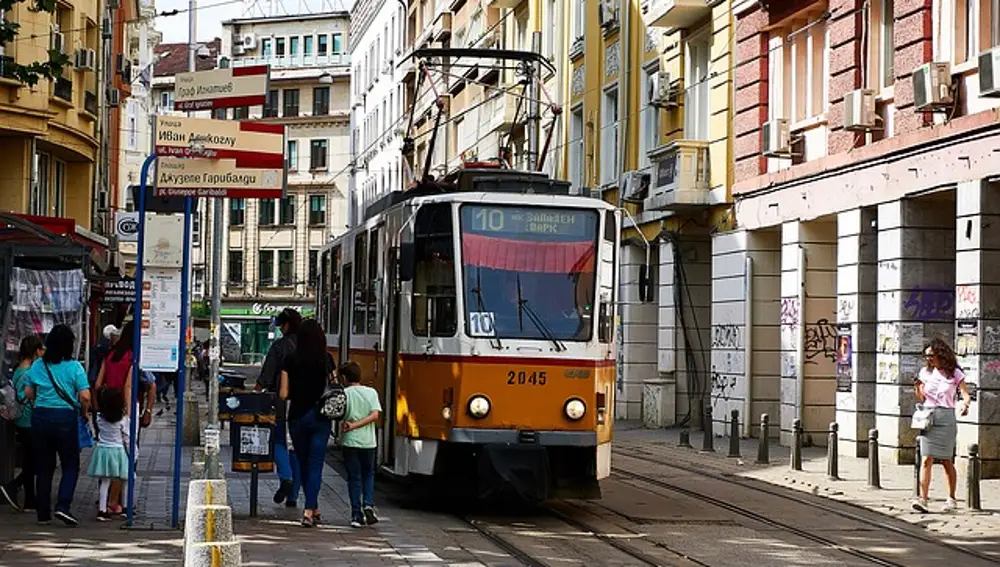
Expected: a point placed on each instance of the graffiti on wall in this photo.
(723, 386)
(967, 302)
(846, 310)
(790, 311)
(726, 336)
(931, 304)
(820, 341)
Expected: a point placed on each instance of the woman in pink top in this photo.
(937, 386)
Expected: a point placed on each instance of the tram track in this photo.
(814, 503)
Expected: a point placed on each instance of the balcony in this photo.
(497, 113)
(90, 103)
(680, 176)
(7, 67)
(442, 26)
(674, 13)
(502, 3)
(63, 89)
(294, 61)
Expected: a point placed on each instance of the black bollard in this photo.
(763, 442)
(874, 472)
(685, 440)
(734, 434)
(975, 474)
(708, 442)
(796, 463)
(917, 465)
(832, 453)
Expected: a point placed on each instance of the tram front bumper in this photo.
(523, 437)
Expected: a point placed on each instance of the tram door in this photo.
(346, 309)
(390, 368)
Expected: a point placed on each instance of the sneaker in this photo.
(104, 517)
(291, 504)
(9, 498)
(67, 518)
(284, 491)
(357, 523)
(920, 505)
(950, 506)
(370, 518)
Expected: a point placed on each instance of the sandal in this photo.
(308, 522)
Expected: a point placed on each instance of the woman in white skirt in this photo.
(937, 386)
(110, 459)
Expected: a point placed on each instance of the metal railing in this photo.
(63, 89)
(294, 61)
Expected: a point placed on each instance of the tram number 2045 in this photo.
(523, 377)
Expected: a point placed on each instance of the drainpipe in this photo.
(800, 370)
(748, 346)
(623, 91)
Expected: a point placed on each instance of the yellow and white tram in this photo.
(484, 315)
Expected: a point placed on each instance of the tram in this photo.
(483, 311)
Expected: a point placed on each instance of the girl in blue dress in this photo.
(110, 459)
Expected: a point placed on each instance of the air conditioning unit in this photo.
(608, 13)
(106, 28)
(114, 97)
(662, 93)
(989, 73)
(777, 138)
(85, 59)
(932, 86)
(249, 42)
(859, 110)
(58, 42)
(238, 49)
(124, 67)
(634, 185)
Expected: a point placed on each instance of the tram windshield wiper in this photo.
(523, 306)
(481, 304)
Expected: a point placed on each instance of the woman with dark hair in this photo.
(30, 351)
(60, 393)
(304, 377)
(285, 462)
(937, 386)
(116, 370)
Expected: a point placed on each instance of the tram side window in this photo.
(434, 272)
(373, 282)
(333, 310)
(606, 315)
(323, 293)
(360, 287)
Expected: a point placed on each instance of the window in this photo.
(434, 272)
(271, 104)
(881, 50)
(338, 43)
(799, 74)
(265, 268)
(577, 163)
(609, 136)
(317, 210)
(307, 45)
(237, 209)
(286, 267)
(235, 267)
(696, 98)
(266, 213)
(293, 155)
(241, 113)
(265, 47)
(167, 100)
(59, 188)
(313, 268)
(317, 154)
(220, 113)
(288, 210)
(279, 47)
(196, 222)
(40, 186)
(132, 125)
(293, 46)
(549, 49)
(322, 44)
(291, 103)
(360, 288)
(374, 280)
(649, 122)
(198, 282)
(579, 19)
(321, 101)
(333, 311)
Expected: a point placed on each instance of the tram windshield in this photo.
(529, 272)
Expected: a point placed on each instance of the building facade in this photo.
(865, 204)
(271, 246)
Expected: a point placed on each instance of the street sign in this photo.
(221, 88)
(127, 226)
(251, 144)
(184, 177)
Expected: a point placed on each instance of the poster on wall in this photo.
(231, 341)
(845, 350)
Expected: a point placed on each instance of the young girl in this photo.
(110, 459)
(31, 350)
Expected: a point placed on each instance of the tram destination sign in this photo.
(514, 221)
(221, 88)
(187, 177)
(251, 144)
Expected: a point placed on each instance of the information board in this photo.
(161, 317)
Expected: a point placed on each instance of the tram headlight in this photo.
(575, 409)
(479, 406)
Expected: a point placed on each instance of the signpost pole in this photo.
(137, 339)
(180, 386)
(212, 459)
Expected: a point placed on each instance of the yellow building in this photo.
(648, 127)
(48, 141)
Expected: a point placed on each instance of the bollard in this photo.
(708, 442)
(972, 497)
(214, 554)
(874, 474)
(917, 465)
(796, 463)
(734, 434)
(685, 438)
(832, 454)
(763, 442)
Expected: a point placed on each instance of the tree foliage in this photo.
(31, 73)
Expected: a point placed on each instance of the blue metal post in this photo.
(137, 339)
(182, 371)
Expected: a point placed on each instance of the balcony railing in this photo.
(90, 103)
(674, 13)
(680, 176)
(294, 61)
(6, 67)
(63, 89)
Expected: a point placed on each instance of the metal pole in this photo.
(212, 457)
(796, 464)
(708, 441)
(137, 338)
(916, 470)
(734, 434)
(179, 387)
(685, 440)
(832, 456)
(874, 473)
(534, 111)
(972, 497)
(763, 447)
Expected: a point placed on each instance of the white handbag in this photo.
(923, 418)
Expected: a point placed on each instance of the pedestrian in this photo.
(359, 444)
(303, 381)
(30, 351)
(109, 462)
(285, 461)
(110, 335)
(937, 386)
(116, 370)
(60, 393)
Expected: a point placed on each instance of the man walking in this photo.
(270, 379)
(359, 442)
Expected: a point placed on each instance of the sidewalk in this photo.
(892, 500)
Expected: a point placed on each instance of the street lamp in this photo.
(326, 78)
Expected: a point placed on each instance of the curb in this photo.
(209, 540)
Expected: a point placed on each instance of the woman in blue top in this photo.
(61, 394)
(31, 349)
